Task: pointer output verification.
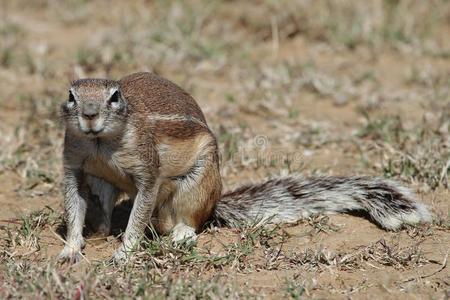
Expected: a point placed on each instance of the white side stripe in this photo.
(175, 118)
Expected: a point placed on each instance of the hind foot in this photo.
(183, 234)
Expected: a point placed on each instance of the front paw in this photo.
(71, 252)
(71, 255)
(121, 256)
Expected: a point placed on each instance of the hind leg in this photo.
(191, 202)
(193, 206)
(107, 195)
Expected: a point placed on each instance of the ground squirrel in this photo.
(145, 136)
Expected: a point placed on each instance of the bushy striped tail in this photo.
(290, 199)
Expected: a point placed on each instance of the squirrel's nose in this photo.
(90, 111)
(90, 115)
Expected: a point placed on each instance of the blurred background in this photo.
(318, 87)
(306, 75)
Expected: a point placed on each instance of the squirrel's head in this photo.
(95, 108)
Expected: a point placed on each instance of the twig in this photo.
(444, 171)
(65, 243)
(12, 221)
(443, 266)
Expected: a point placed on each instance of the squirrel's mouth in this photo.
(91, 128)
(93, 132)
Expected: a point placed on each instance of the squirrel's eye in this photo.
(114, 98)
(71, 98)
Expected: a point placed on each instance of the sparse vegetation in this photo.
(317, 87)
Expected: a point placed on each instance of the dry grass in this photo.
(317, 87)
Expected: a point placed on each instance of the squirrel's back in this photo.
(149, 93)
